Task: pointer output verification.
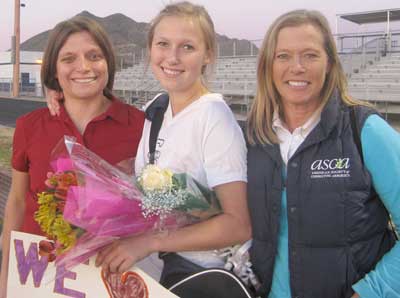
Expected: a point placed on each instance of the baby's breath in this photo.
(162, 202)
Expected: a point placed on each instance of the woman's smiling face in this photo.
(82, 70)
(300, 65)
(178, 54)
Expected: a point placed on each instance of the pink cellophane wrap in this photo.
(105, 204)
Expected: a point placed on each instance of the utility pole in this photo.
(15, 48)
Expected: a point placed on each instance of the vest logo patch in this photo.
(330, 168)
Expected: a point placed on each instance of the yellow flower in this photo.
(168, 175)
(61, 226)
(67, 241)
(49, 214)
(46, 215)
(45, 198)
(63, 232)
(153, 178)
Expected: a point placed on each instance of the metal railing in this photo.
(357, 51)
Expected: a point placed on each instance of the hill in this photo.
(129, 36)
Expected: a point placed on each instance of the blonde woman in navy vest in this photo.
(319, 203)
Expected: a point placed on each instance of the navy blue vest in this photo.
(337, 225)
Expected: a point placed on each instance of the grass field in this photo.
(6, 136)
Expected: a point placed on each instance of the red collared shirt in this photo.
(114, 135)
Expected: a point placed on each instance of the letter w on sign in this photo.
(29, 262)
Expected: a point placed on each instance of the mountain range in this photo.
(129, 36)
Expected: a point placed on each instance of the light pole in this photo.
(16, 48)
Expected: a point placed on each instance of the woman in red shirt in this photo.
(79, 61)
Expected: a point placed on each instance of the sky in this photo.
(248, 19)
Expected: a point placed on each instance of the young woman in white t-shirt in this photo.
(199, 136)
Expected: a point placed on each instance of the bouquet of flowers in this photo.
(89, 203)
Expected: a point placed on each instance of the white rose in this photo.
(153, 178)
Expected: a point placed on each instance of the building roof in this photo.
(368, 17)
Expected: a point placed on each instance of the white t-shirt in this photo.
(205, 141)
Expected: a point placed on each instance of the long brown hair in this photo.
(267, 99)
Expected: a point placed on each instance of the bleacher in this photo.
(235, 77)
(354, 63)
(379, 82)
(136, 83)
(371, 59)
(370, 78)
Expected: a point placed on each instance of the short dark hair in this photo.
(56, 41)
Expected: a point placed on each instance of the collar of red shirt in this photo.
(115, 111)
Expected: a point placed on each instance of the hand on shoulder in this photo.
(52, 98)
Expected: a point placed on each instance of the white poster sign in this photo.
(30, 275)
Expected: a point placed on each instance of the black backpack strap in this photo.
(155, 113)
(356, 132)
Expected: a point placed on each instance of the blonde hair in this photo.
(196, 13)
(267, 99)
